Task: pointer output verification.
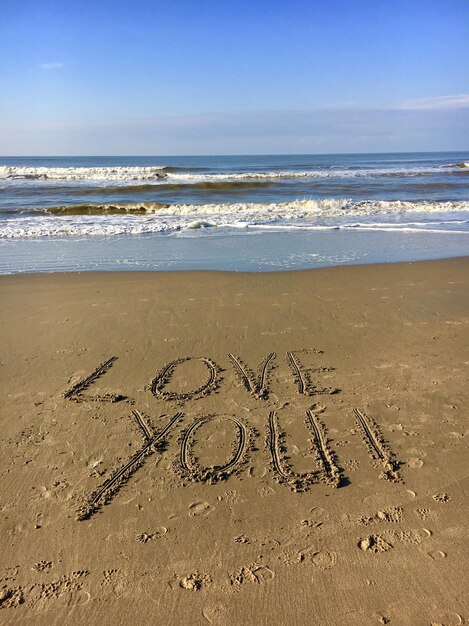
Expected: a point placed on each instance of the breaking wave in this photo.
(139, 218)
(168, 174)
(84, 173)
(106, 209)
(310, 174)
(296, 209)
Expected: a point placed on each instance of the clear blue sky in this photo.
(201, 76)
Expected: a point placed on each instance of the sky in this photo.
(242, 77)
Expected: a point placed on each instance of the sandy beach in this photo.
(220, 448)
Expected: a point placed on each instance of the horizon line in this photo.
(234, 154)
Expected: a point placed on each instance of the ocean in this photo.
(231, 212)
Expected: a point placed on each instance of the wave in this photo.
(201, 186)
(296, 209)
(119, 190)
(106, 209)
(112, 219)
(167, 173)
(49, 227)
(310, 174)
(84, 173)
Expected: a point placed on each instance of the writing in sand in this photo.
(186, 463)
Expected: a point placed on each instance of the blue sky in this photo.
(203, 76)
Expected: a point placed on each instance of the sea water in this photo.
(231, 212)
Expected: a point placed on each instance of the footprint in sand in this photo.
(442, 497)
(324, 560)
(214, 614)
(257, 471)
(254, 573)
(71, 599)
(9, 574)
(42, 566)
(443, 617)
(145, 537)
(200, 508)
(386, 540)
(64, 591)
(415, 463)
(109, 576)
(427, 514)
(437, 555)
(351, 465)
(11, 597)
(389, 514)
(291, 557)
(375, 544)
(195, 581)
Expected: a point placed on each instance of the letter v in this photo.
(256, 385)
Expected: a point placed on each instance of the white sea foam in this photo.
(82, 173)
(297, 209)
(304, 174)
(305, 214)
(68, 227)
(124, 174)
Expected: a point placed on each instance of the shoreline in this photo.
(221, 272)
(246, 251)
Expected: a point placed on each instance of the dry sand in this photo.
(182, 485)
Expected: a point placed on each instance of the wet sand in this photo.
(211, 448)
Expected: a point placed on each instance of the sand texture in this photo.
(209, 448)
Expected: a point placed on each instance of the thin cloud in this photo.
(51, 66)
(390, 129)
(460, 101)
